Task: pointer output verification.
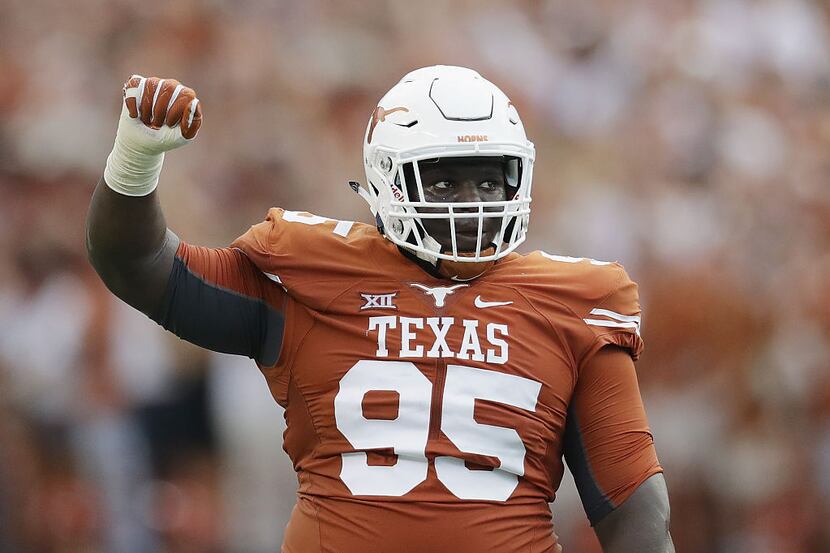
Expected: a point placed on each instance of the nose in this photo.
(468, 191)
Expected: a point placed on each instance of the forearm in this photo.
(127, 237)
(641, 524)
(130, 246)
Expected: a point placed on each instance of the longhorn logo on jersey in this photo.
(439, 293)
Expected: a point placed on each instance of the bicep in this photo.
(608, 445)
(218, 299)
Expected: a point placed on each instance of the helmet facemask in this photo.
(484, 227)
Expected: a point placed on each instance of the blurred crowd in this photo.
(689, 139)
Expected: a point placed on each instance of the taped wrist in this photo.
(131, 172)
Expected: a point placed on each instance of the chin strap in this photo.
(363, 193)
(433, 246)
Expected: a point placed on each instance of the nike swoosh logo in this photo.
(481, 304)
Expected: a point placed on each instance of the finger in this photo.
(147, 93)
(161, 101)
(175, 96)
(192, 119)
(174, 113)
(159, 87)
(129, 91)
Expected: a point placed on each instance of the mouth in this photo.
(468, 226)
(466, 233)
(466, 237)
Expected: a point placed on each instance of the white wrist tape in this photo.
(131, 172)
(134, 165)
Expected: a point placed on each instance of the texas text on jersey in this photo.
(426, 415)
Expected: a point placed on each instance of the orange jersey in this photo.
(425, 415)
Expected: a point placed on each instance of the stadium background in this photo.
(687, 139)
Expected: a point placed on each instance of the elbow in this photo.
(661, 508)
(641, 523)
(662, 531)
(92, 255)
(101, 262)
(659, 518)
(666, 529)
(113, 270)
(95, 253)
(108, 273)
(661, 525)
(141, 283)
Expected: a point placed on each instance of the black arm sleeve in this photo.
(218, 299)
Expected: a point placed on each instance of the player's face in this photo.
(478, 179)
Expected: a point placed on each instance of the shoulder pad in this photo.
(312, 257)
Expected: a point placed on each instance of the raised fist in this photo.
(159, 114)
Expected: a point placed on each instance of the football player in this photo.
(433, 378)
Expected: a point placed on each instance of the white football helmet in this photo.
(439, 112)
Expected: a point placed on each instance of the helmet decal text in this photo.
(473, 138)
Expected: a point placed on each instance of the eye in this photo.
(441, 185)
(488, 185)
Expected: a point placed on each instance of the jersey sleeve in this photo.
(613, 318)
(218, 299)
(608, 445)
(600, 302)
